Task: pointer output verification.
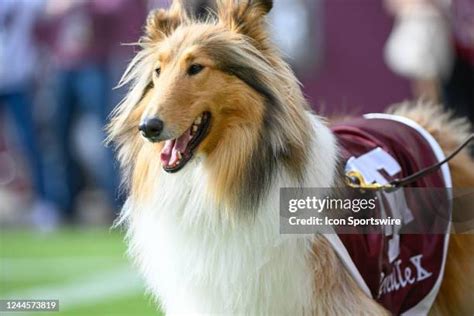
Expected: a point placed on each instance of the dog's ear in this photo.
(246, 17)
(161, 23)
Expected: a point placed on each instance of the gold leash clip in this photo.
(356, 180)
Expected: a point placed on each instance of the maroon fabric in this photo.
(369, 252)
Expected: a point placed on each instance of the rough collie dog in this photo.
(214, 124)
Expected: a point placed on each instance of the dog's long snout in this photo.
(151, 128)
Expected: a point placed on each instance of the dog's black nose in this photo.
(151, 128)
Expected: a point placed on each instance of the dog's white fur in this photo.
(195, 261)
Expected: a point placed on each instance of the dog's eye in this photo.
(194, 69)
(157, 71)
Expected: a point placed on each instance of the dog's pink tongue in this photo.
(169, 153)
(182, 141)
(166, 152)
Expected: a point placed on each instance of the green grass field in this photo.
(87, 270)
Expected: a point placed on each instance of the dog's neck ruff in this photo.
(196, 262)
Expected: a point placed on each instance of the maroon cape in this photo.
(401, 269)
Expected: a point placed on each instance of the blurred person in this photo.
(458, 90)
(82, 35)
(432, 43)
(297, 30)
(419, 46)
(18, 58)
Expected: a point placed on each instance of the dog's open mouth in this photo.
(177, 152)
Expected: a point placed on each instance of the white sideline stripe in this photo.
(14, 269)
(57, 260)
(86, 290)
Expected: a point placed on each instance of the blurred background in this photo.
(59, 62)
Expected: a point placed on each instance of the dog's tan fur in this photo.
(335, 285)
(237, 36)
